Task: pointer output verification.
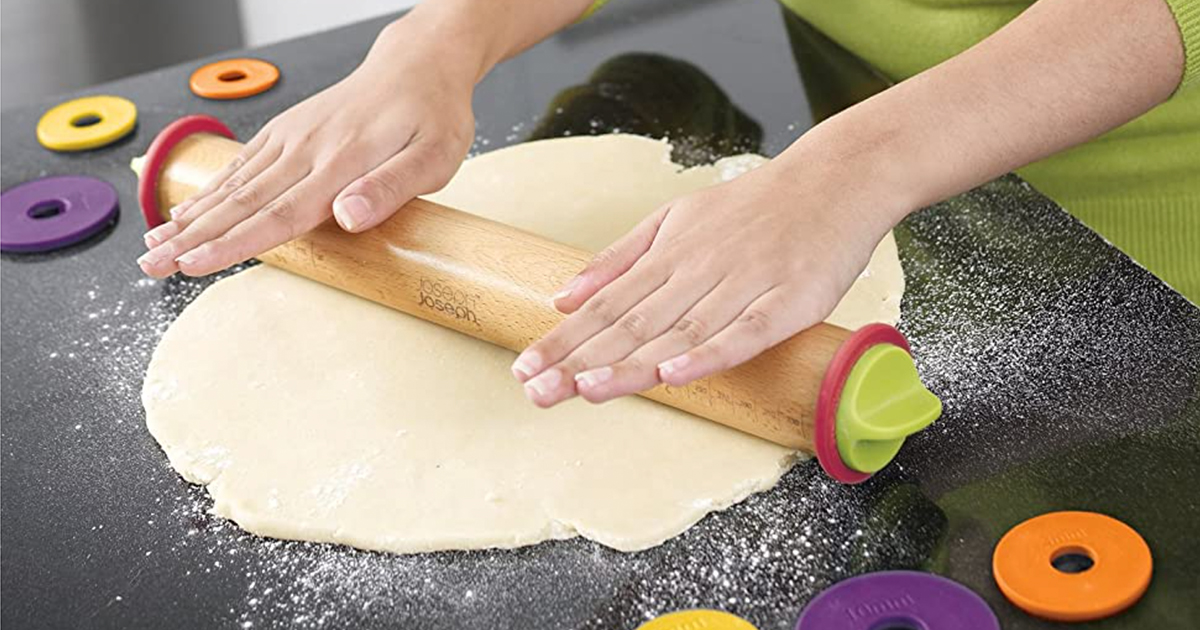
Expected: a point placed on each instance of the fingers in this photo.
(639, 370)
(370, 199)
(764, 323)
(216, 229)
(239, 173)
(609, 264)
(648, 319)
(233, 209)
(598, 313)
(253, 159)
(298, 210)
(600, 294)
(162, 233)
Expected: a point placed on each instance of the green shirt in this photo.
(1138, 185)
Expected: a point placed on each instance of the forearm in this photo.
(1062, 73)
(471, 36)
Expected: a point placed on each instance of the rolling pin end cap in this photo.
(150, 166)
(883, 402)
(871, 400)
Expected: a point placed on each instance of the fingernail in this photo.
(526, 365)
(178, 209)
(352, 212)
(674, 365)
(155, 237)
(147, 260)
(543, 384)
(192, 257)
(567, 290)
(592, 378)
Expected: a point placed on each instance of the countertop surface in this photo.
(1068, 373)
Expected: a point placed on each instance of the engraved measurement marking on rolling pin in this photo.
(442, 296)
(704, 394)
(711, 396)
(868, 610)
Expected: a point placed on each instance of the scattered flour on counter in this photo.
(759, 559)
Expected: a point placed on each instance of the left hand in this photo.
(705, 283)
(396, 127)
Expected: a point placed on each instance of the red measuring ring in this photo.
(825, 421)
(156, 157)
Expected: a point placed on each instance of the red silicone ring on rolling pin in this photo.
(825, 420)
(156, 157)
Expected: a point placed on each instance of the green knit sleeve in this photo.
(1187, 15)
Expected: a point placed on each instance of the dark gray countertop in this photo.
(1069, 376)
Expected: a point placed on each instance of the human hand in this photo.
(707, 282)
(395, 128)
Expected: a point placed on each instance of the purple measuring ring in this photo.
(53, 212)
(898, 599)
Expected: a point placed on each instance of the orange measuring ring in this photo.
(234, 78)
(1112, 566)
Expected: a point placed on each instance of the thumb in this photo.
(610, 264)
(372, 198)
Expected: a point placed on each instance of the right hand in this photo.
(395, 128)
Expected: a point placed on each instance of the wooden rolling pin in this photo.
(494, 282)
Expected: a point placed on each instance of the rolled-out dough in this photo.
(313, 414)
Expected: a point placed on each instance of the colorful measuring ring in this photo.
(897, 599)
(53, 212)
(234, 78)
(871, 400)
(86, 123)
(156, 156)
(1072, 566)
(697, 618)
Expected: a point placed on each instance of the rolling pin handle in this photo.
(150, 166)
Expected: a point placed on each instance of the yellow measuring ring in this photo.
(697, 619)
(86, 123)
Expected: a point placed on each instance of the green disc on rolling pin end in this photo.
(883, 402)
(871, 399)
